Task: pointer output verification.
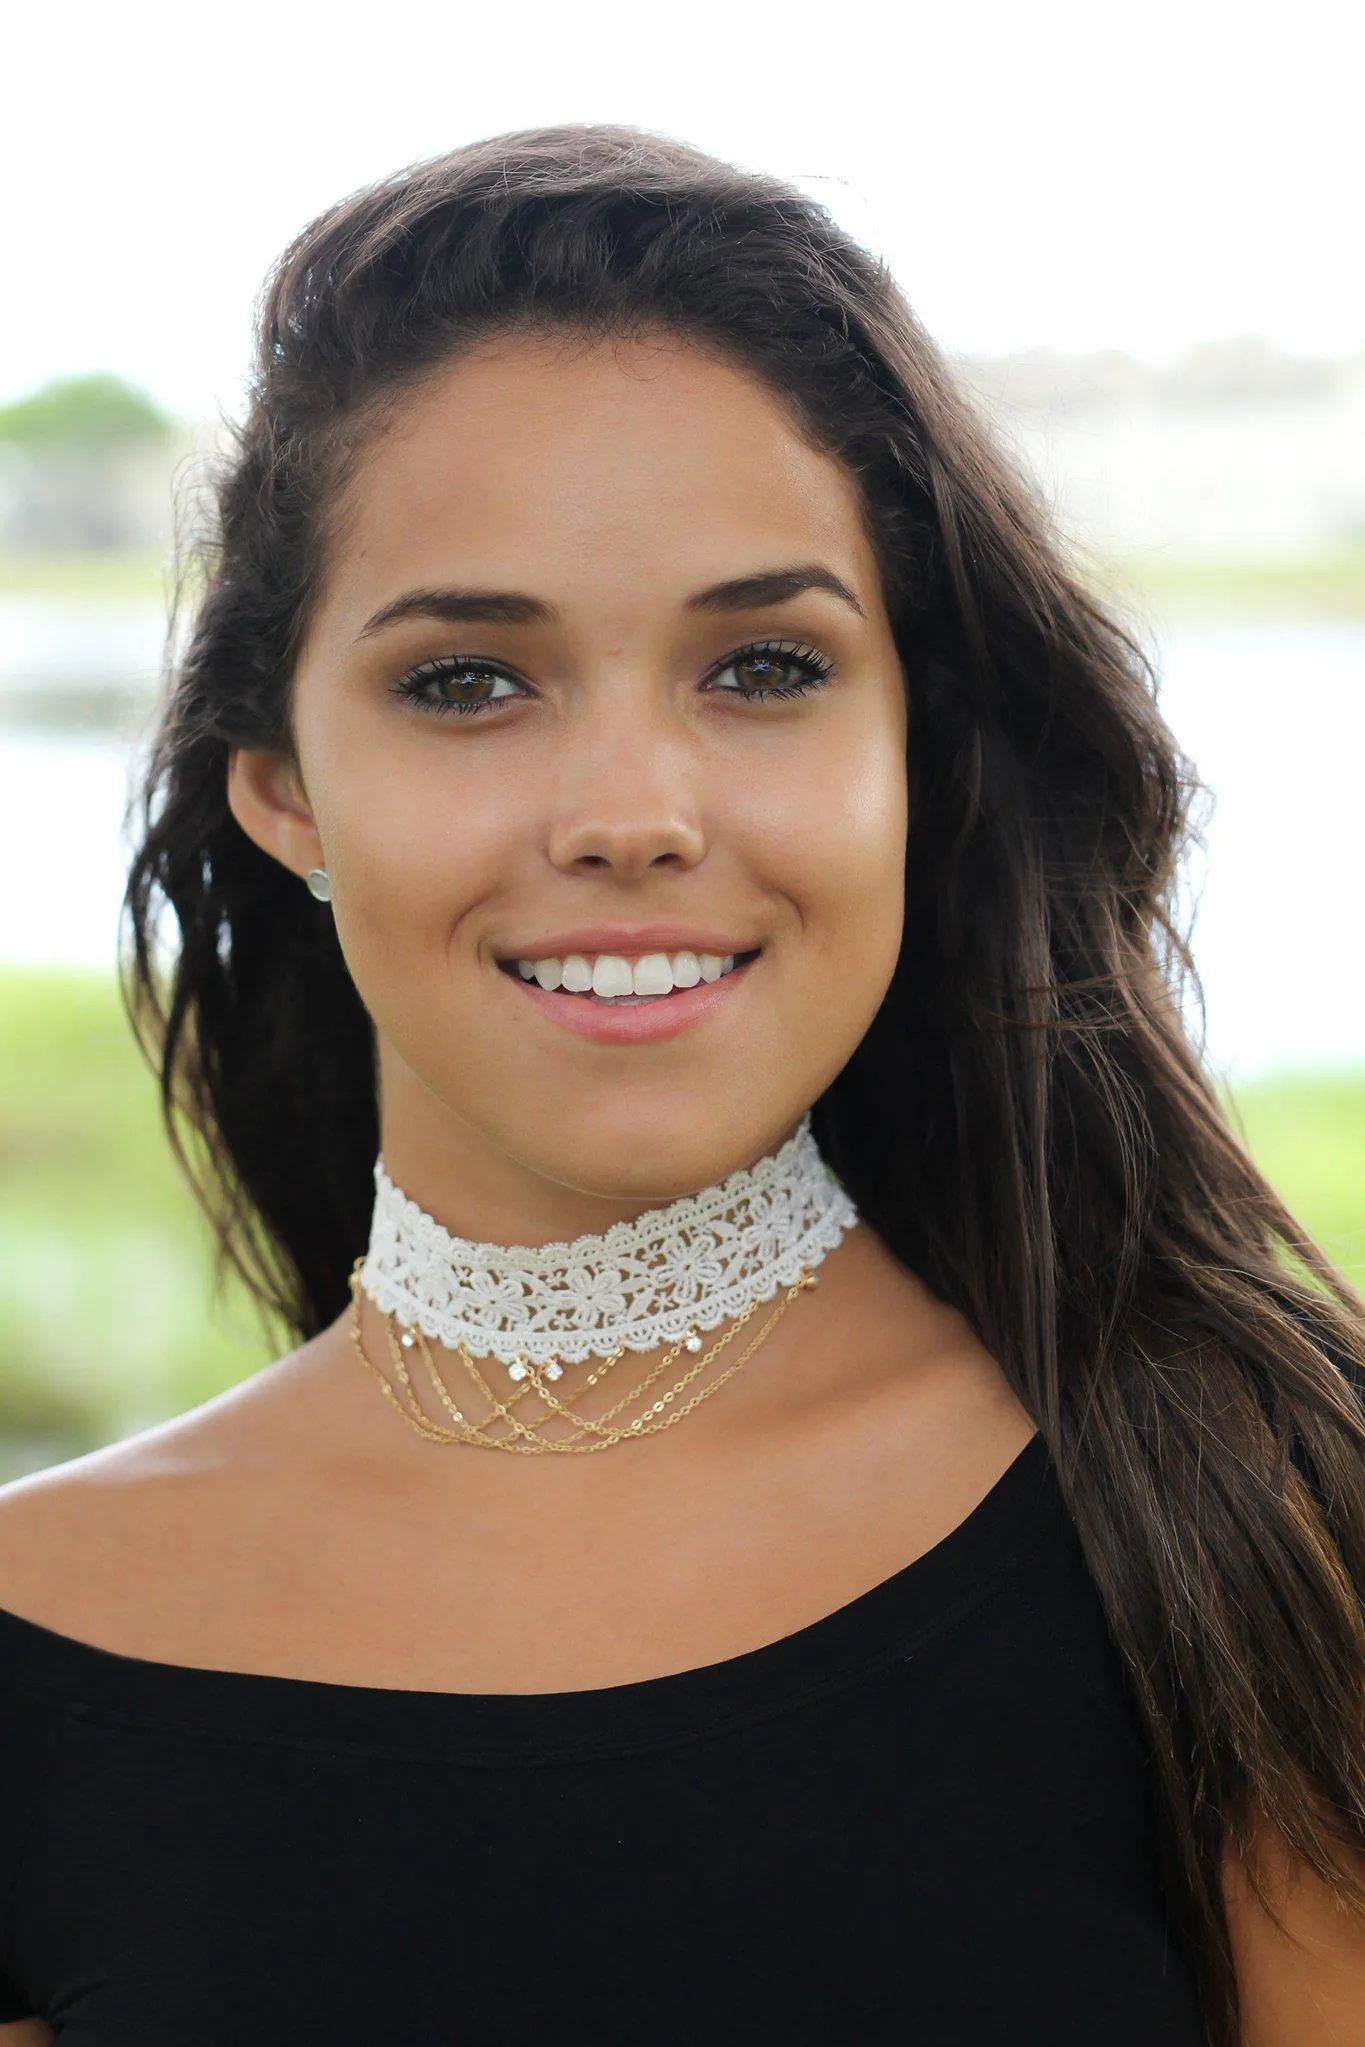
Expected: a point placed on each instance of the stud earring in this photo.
(319, 884)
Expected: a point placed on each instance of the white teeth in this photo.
(611, 975)
(653, 975)
(612, 978)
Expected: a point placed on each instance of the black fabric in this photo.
(926, 1818)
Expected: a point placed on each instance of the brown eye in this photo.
(772, 671)
(758, 671)
(456, 685)
(466, 686)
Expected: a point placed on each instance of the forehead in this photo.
(652, 459)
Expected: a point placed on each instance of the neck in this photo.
(678, 1270)
(477, 1189)
(665, 1282)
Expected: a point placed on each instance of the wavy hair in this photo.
(1028, 1123)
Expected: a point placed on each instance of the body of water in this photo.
(1272, 714)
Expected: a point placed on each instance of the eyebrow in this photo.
(512, 607)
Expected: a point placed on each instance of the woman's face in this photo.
(600, 686)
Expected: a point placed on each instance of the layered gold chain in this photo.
(523, 1437)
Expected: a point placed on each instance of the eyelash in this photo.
(815, 669)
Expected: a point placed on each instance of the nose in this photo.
(627, 802)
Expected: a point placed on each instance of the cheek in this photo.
(413, 845)
(840, 821)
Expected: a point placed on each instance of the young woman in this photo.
(819, 1497)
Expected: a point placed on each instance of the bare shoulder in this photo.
(1301, 1966)
(90, 1546)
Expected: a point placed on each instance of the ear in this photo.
(268, 800)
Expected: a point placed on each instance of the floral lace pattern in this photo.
(688, 1266)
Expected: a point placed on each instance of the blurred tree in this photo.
(85, 468)
(98, 411)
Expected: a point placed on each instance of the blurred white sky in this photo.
(1080, 175)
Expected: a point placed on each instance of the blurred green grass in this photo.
(1171, 586)
(107, 1322)
(134, 575)
(1326, 585)
(106, 1318)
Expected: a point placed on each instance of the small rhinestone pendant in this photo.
(554, 1371)
(407, 1339)
(518, 1370)
(692, 1342)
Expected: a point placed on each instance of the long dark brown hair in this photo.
(1028, 1122)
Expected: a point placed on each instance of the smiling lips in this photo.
(612, 977)
(629, 998)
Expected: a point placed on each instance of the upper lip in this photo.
(642, 939)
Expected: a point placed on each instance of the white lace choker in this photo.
(659, 1280)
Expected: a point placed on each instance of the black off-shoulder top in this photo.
(926, 1818)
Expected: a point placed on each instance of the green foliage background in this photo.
(107, 1321)
(83, 412)
(107, 1316)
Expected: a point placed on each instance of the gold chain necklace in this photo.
(522, 1437)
